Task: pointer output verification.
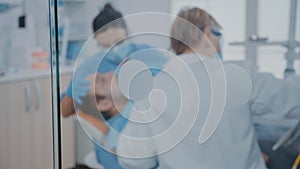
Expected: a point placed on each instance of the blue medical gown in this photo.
(103, 152)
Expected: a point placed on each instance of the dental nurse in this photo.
(110, 30)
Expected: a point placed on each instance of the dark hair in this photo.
(107, 15)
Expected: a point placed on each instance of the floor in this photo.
(81, 167)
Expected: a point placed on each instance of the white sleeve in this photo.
(274, 98)
(136, 153)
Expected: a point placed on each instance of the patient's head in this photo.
(106, 91)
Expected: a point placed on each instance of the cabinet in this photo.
(16, 135)
(26, 126)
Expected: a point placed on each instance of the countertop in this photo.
(32, 74)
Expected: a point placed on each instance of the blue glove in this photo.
(78, 88)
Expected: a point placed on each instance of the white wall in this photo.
(7, 22)
(128, 7)
(39, 11)
(274, 23)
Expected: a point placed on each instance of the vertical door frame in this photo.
(55, 85)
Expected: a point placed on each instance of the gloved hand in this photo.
(78, 88)
(79, 85)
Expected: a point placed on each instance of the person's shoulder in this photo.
(176, 62)
(140, 46)
(93, 58)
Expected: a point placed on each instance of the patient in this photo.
(110, 101)
(103, 92)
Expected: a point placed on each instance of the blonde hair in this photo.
(187, 28)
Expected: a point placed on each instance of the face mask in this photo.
(119, 52)
(219, 56)
(221, 42)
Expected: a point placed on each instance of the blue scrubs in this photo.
(116, 124)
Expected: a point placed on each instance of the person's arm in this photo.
(99, 124)
(96, 129)
(70, 96)
(67, 106)
(66, 102)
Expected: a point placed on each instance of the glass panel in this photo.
(274, 15)
(25, 85)
(271, 59)
(78, 46)
(273, 23)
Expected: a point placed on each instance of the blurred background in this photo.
(26, 139)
